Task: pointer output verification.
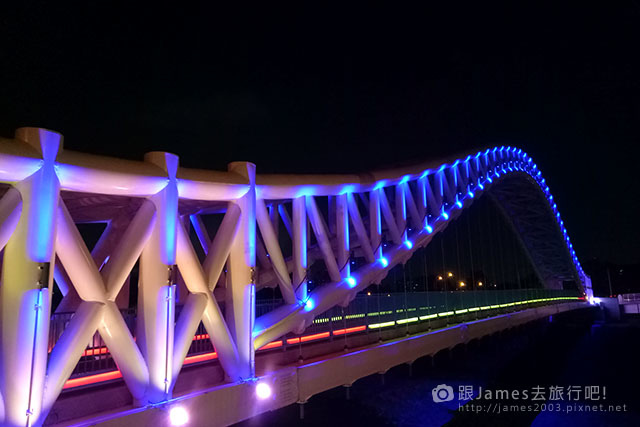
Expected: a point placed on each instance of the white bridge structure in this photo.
(151, 209)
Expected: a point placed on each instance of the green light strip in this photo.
(382, 325)
(409, 320)
(430, 316)
(450, 313)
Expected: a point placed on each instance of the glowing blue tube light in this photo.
(309, 304)
(408, 244)
(351, 282)
(384, 261)
(428, 228)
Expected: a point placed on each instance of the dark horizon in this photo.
(298, 91)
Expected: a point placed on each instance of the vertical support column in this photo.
(274, 217)
(422, 196)
(401, 210)
(240, 295)
(156, 288)
(331, 214)
(375, 222)
(433, 202)
(342, 234)
(25, 294)
(300, 247)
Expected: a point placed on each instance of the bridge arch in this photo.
(428, 197)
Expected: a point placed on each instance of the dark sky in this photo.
(342, 90)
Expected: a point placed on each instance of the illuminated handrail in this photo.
(393, 313)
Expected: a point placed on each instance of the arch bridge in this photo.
(164, 307)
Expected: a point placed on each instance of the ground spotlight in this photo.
(263, 391)
(178, 416)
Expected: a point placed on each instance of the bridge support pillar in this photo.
(342, 233)
(156, 288)
(300, 247)
(240, 293)
(27, 277)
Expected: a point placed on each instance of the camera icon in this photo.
(442, 393)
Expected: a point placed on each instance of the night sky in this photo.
(346, 90)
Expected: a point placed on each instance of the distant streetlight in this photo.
(479, 283)
(462, 284)
(439, 277)
(450, 274)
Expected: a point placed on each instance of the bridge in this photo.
(145, 292)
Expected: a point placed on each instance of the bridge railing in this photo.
(96, 358)
(372, 312)
(366, 313)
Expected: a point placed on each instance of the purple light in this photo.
(178, 416)
(263, 391)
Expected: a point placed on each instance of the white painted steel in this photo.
(35, 227)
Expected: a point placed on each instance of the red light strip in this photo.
(315, 336)
(95, 351)
(307, 338)
(92, 379)
(272, 344)
(349, 330)
(200, 358)
(201, 337)
(322, 335)
(112, 375)
(104, 350)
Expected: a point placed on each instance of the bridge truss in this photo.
(150, 207)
